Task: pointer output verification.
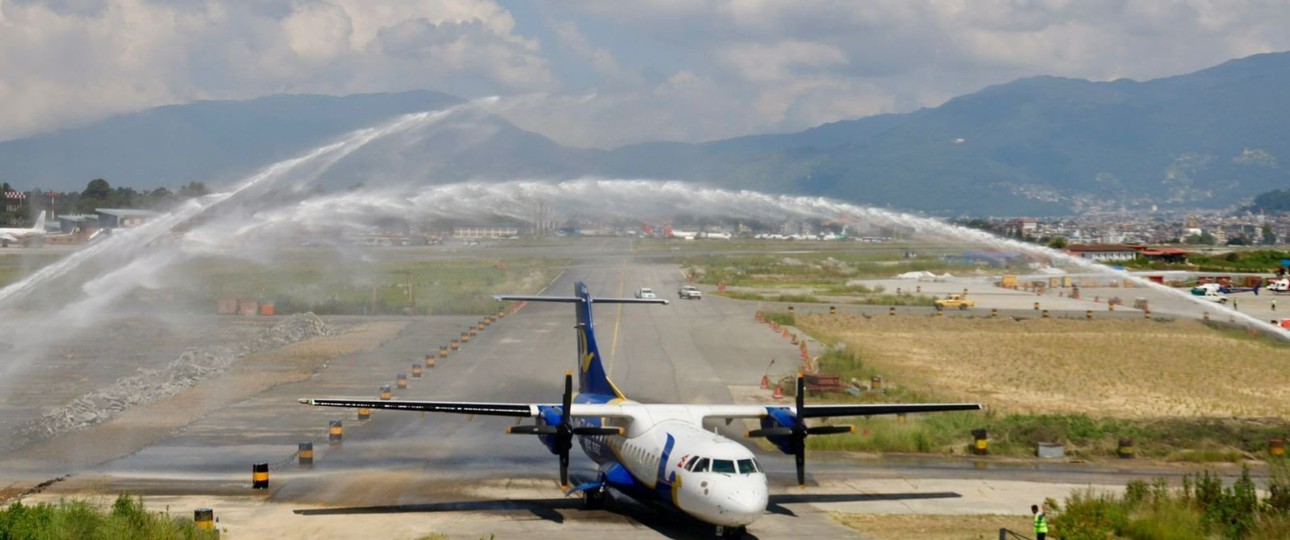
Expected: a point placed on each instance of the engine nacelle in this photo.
(780, 418)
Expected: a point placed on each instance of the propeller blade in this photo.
(801, 394)
(770, 432)
(830, 430)
(598, 431)
(800, 458)
(531, 430)
(564, 469)
(800, 432)
(568, 397)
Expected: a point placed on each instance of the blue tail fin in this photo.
(592, 378)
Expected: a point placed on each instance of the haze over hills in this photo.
(1040, 145)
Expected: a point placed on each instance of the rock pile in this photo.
(149, 385)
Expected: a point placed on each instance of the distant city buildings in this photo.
(1118, 229)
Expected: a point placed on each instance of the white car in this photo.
(690, 292)
(645, 292)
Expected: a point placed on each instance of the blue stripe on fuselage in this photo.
(663, 480)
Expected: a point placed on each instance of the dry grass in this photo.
(900, 527)
(1120, 368)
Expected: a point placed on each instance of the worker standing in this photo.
(1274, 304)
(1041, 522)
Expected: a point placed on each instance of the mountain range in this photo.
(1038, 146)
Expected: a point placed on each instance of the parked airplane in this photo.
(15, 235)
(1209, 290)
(668, 232)
(659, 451)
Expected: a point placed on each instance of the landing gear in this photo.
(594, 498)
(731, 532)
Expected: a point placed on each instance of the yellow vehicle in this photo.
(954, 301)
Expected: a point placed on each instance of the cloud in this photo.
(776, 66)
(67, 62)
(593, 73)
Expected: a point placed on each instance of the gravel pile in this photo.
(149, 385)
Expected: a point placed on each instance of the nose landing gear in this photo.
(731, 532)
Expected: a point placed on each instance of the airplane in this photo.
(1214, 291)
(668, 232)
(652, 450)
(13, 235)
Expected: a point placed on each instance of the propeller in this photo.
(798, 432)
(562, 434)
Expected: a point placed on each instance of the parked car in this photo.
(645, 292)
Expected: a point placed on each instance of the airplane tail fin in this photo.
(592, 377)
(40, 222)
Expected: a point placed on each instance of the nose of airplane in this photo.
(743, 506)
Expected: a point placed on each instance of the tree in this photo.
(97, 194)
(98, 188)
(194, 189)
(1269, 236)
(1203, 238)
(158, 199)
(1057, 243)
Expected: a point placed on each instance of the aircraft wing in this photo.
(9, 237)
(521, 410)
(571, 299)
(828, 411)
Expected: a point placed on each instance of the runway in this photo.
(408, 475)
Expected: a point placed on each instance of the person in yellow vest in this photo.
(1041, 522)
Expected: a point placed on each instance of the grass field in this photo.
(1116, 368)
(314, 280)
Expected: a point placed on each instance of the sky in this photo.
(596, 73)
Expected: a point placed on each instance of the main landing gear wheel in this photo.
(594, 498)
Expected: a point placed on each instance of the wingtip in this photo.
(305, 401)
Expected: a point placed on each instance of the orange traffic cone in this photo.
(779, 392)
(765, 382)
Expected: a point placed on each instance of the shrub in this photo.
(1090, 515)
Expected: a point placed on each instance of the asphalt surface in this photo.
(405, 474)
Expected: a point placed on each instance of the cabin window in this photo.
(701, 465)
(723, 466)
(746, 466)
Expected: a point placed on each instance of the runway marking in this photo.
(548, 285)
(618, 318)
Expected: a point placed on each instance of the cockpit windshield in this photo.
(724, 466)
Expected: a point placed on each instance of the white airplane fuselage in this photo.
(667, 453)
(9, 235)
